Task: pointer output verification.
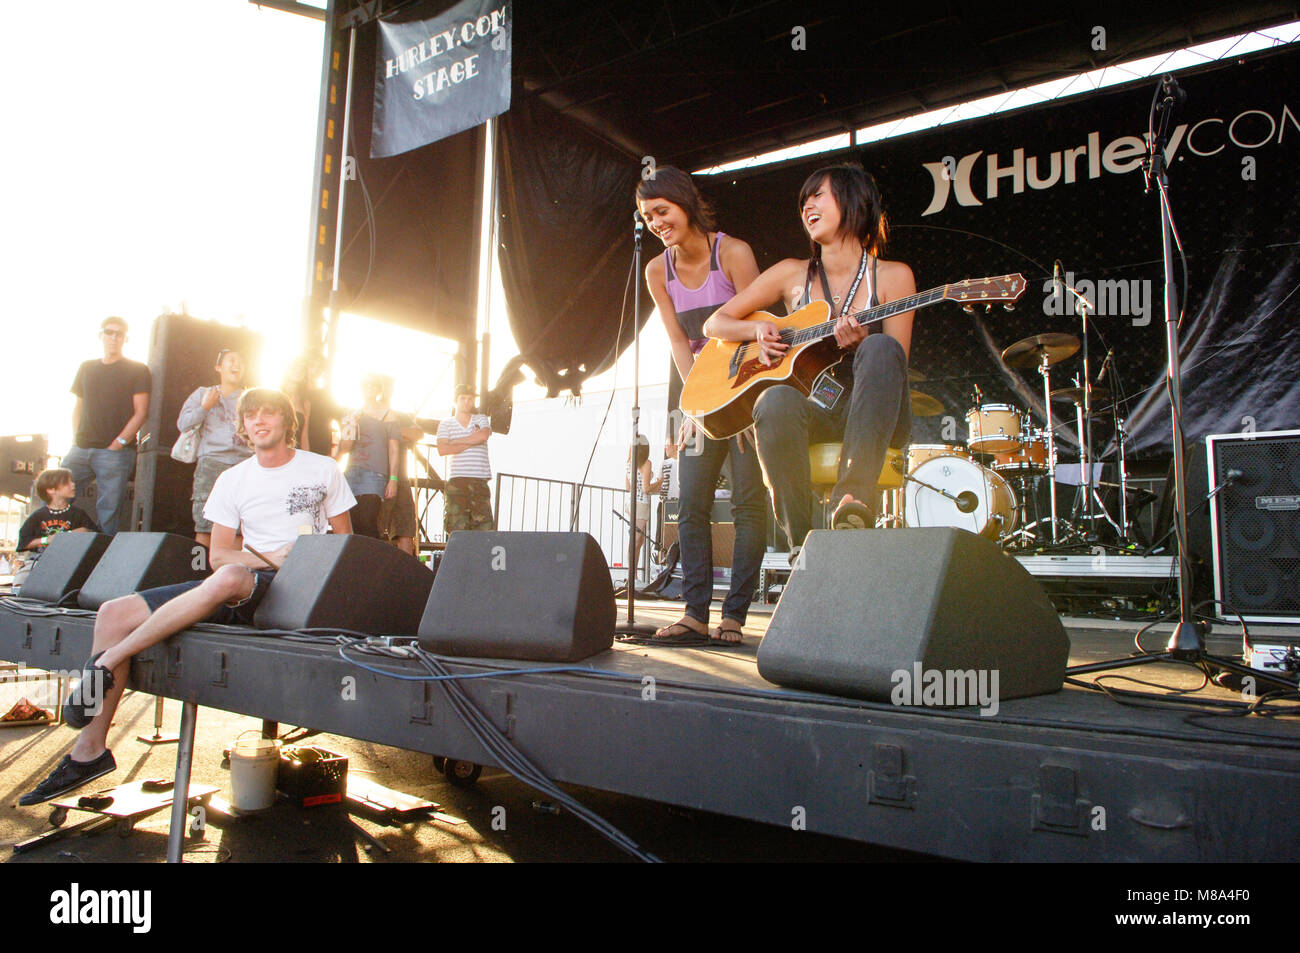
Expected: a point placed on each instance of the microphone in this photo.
(639, 221)
(1057, 282)
(1172, 91)
(1232, 476)
(1105, 365)
(967, 502)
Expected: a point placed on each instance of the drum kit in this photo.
(990, 484)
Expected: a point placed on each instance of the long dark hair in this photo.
(671, 183)
(856, 193)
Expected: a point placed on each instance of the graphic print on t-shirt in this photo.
(306, 498)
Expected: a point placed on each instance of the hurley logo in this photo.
(1249, 129)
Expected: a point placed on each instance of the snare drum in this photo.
(919, 453)
(994, 510)
(1029, 458)
(993, 428)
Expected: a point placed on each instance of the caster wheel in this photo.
(58, 816)
(440, 763)
(463, 774)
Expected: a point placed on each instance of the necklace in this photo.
(54, 512)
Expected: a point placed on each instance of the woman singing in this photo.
(700, 270)
(841, 211)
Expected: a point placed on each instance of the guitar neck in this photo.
(922, 299)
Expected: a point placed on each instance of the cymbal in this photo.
(1100, 395)
(1026, 352)
(923, 405)
(914, 376)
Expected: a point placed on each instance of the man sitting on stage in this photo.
(273, 497)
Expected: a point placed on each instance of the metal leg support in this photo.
(181, 790)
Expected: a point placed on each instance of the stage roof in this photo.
(707, 82)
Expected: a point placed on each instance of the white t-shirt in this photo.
(473, 461)
(270, 506)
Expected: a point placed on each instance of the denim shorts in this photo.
(362, 482)
(241, 614)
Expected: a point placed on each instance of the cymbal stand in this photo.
(1044, 370)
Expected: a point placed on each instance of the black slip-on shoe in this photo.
(851, 515)
(68, 776)
(86, 699)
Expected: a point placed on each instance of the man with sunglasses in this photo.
(112, 401)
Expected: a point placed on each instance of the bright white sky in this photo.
(169, 166)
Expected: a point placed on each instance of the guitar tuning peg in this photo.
(1008, 307)
(968, 308)
(988, 308)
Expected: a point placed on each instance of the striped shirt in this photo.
(472, 462)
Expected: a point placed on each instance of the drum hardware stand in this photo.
(1081, 306)
(1044, 371)
(1187, 643)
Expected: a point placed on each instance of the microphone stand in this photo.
(631, 626)
(1187, 643)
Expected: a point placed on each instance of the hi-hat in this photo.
(914, 376)
(1028, 352)
(1100, 395)
(923, 405)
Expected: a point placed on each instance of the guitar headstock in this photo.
(1005, 288)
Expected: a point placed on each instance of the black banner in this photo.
(1012, 193)
(435, 78)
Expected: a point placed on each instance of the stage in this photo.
(1072, 776)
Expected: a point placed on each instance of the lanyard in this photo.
(826, 285)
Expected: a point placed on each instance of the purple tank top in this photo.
(694, 305)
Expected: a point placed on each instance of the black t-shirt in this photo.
(45, 523)
(106, 392)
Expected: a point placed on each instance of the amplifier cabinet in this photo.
(1255, 524)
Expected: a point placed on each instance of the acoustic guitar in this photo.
(729, 376)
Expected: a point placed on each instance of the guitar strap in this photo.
(828, 389)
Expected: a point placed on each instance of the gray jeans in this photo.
(876, 416)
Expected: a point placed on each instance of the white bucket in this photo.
(253, 766)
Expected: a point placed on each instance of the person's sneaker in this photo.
(68, 776)
(86, 699)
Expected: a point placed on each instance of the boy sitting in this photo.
(58, 515)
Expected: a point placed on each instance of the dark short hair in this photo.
(671, 183)
(221, 355)
(257, 398)
(49, 480)
(113, 319)
(856, 193)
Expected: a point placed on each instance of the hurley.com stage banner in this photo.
(437, 77)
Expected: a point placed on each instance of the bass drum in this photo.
(919, 453)
(993, 508)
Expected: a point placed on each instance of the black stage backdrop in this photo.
(566, 243)
(410, 236)
(1234, 198)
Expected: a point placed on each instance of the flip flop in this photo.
(718, 636)
(677, 634)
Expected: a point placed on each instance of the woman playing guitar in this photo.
(699, 270)
(841, 211)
